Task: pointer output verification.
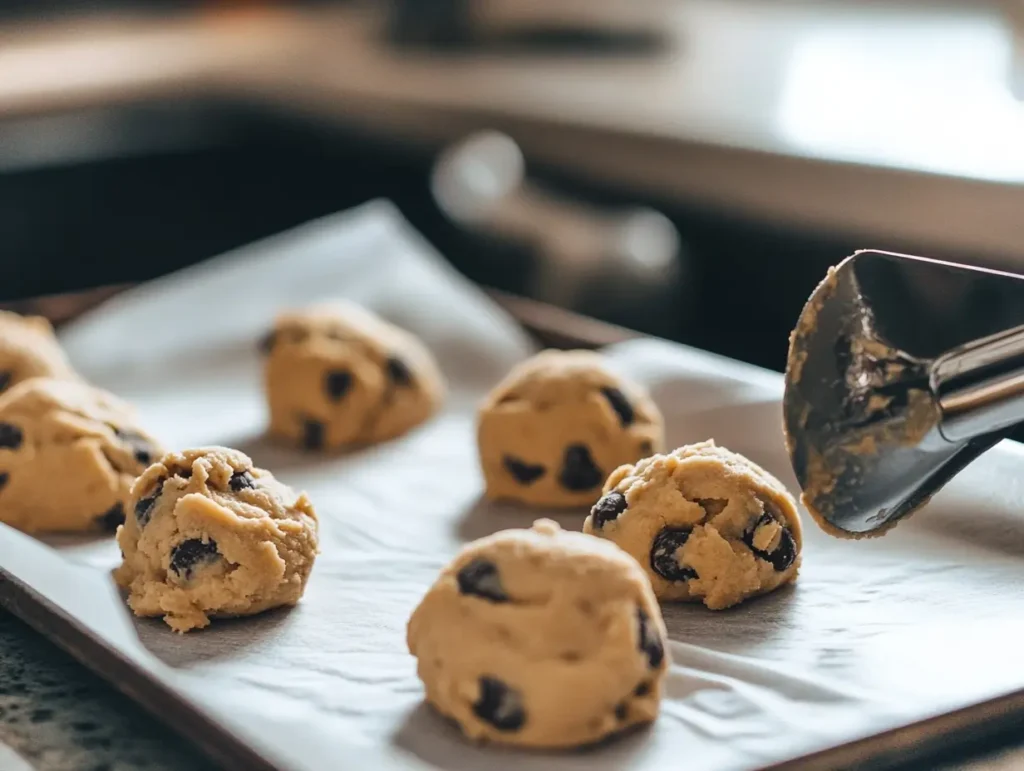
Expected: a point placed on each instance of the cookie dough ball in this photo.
(706, 524)
(338, 375)
(29, 349)
(541, 638)
(559, 423)
(69, 454)
(210, 535)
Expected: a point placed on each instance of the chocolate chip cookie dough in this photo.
(69, 454)
(338, 375)
(560, 422)
(707, 525)
(541, 638)
(29, 349)
(210, 535)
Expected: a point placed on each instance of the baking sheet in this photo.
(874, 635)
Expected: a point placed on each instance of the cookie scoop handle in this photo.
(980, 386)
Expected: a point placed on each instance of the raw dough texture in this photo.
(338, 375)
(558, 424)
(210, 535)
(29, 349)
(69, 454)
(541, 638)
(705, 523)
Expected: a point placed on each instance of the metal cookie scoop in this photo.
(901, 371)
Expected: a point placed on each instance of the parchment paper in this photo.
(874, 635)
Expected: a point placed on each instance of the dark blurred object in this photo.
(439, 23)
(521, 28)
(95, 198)
(34, 10)
(624, 264)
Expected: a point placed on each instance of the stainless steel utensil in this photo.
(901, 371)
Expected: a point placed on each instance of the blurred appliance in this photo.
(621, 264)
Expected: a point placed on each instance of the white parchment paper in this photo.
(874, 635)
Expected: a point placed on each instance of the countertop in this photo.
(57, 716)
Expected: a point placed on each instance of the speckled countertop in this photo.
(57, 716)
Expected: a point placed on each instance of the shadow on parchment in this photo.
(72, 540)
(965, 518)
(438, 741)
(486, 517)
(224, 638)
(754, 623)
(278, 457)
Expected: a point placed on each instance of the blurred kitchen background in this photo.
(688, 168)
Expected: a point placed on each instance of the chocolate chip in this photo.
(579, 472)
(784, 554)
(112, 518)
(242, 480)
(642, 689)
(6, 376)
(337, 383)
(608, 508)
(141, 447)
(3, 479)
(499, 705)
(10, 436)
(480, 577)
(523, 472)
(621, 711)
(398, 371)
(663, 554)
(144, 506)
(266, 343)
(649, 638)
(190, 553)
(313, 434)
(620, 404)
(144, 509)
